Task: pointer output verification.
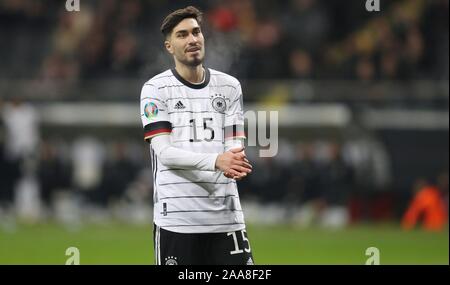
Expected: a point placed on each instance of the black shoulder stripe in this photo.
(157, 126)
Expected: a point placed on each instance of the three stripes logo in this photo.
(179, 106)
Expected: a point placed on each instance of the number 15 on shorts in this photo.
(237, 249)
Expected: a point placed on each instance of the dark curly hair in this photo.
(179, 15)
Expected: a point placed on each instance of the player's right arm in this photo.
(231, 161)
(157, 129)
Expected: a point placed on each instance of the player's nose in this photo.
(192, 39)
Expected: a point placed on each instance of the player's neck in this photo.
(195, 74)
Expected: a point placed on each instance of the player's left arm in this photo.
(234, 132)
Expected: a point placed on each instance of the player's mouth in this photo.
(193, 49)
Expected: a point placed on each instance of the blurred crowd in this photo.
(310, 181)
(298, 39)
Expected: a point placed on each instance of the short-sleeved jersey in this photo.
(198, 118)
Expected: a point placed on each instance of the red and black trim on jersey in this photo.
(234, 131)
(157, 128)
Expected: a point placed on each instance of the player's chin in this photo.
(193, 62)
(195, 59)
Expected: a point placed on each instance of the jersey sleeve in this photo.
(171, 156)
(234, 117)
(154, 113)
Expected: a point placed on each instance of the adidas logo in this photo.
(250, 261)
(179, 105)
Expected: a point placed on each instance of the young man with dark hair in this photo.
(193, 120)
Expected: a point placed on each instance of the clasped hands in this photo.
(234, 163)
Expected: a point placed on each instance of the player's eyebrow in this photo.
(183, 32)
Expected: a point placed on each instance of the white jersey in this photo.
(199, 118)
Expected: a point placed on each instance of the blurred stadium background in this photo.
(363, 126)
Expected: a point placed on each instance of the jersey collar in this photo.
(189, 84)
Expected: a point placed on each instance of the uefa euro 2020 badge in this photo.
(218, 102)
(151, 110)
(171, 260)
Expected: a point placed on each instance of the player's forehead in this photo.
(187, 24)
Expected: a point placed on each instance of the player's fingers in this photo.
(243, 164)
(246, 160)
(242, 175)
(240, 155)
(233, 173)
(241, 169)
(228, 175)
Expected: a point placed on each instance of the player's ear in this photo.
(168, 46)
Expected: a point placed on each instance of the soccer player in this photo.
(193, 119)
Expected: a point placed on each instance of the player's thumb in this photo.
(237, 150)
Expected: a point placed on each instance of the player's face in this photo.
(186, 43)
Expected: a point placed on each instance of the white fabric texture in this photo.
(171, 156)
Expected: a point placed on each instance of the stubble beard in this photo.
(195, 61)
